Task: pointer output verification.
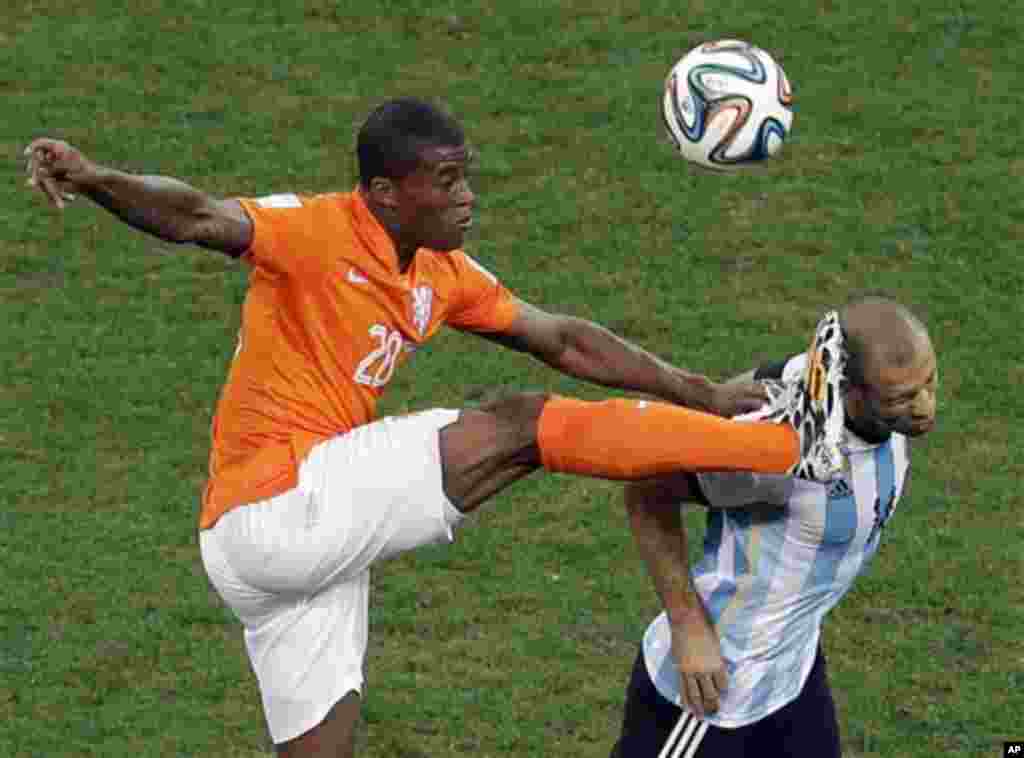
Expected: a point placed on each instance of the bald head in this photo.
(891, 369)
(882, 334)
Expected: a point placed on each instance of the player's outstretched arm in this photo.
(166, 208)
(589, 351)
(656, 521)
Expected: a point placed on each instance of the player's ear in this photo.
(855, 399)
(382, 191)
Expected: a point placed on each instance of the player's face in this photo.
(899, 400)
(435, 202)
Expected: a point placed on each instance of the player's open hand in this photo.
(56, 169)
(735, 398)
(702, 673)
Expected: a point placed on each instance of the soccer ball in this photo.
(727, 104)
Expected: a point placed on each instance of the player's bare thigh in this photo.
(490, 447)
(334, 737)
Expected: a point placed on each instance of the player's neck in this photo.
(873, 434)
(405, 255)
(405, 252)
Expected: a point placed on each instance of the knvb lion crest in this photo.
(422, 304)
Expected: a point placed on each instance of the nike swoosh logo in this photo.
(355, 277)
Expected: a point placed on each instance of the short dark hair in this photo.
(394, 134)
(882, 340)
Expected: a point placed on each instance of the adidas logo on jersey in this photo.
(839, 488)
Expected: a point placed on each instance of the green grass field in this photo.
(903, 173)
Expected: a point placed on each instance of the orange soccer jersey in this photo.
(327, 319)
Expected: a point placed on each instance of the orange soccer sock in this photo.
(636, 439)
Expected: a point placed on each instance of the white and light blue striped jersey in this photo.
(770, 574)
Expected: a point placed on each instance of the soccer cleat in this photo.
(813, 404)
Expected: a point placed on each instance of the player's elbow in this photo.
(186, 224)
(654, 495)
(638, 496)
(218, 225)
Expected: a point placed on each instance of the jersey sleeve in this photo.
(770, 370)
(737, 489)
(483, 304)
(281, 226)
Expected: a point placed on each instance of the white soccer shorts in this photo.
(295, 568)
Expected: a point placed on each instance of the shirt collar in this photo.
(372, 233)
(854, 443)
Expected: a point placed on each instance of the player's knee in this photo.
(518, 411)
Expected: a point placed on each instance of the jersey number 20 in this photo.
(376, 368)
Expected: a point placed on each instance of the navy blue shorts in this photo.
(652, 727)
